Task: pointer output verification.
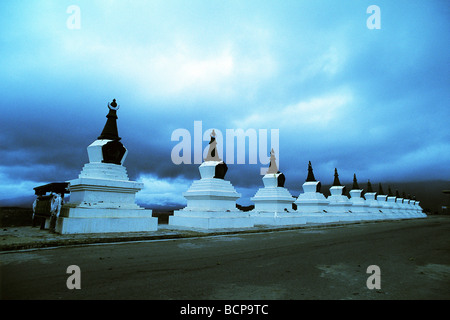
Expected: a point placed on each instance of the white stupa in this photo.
(102, 199)
(402, 205)
(339, 204)
(396, 212)
(407, 205)
(374, 206)
(312, 204)
(386, 207)
(273, 203)
(211, 201)
(418, 211)
(360, 207)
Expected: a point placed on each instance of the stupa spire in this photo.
(355, 183)
(273, 165)
(310, 177)
(369, 187)
(380, 190)
(110, 131)
(336, 181)
(390, 194)
(212, 152)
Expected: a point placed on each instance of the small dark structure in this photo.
(47, 205)
(337, 183)
(355, 185)
(380, 190)
(221, 170)
(369, 187)
(311, 178)
(114, 150)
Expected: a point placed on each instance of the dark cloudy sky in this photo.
(374, 102)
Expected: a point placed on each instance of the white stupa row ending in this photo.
(102, 199)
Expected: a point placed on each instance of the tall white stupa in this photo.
(339, 204)
(273, 203)
(392, 200)
(406, 205)
(360, 207)
(400, 207)
(102, 199)
(386, 207)
(211, 201)
(312, 204)
(418, 209)
(374, 205)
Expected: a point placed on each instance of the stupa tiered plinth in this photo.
(374, 205)
(312, 204)
(407, 206)
(395, 208)
(386, 207)
(102, 199)
(401, 209)
(339, 204)
(418, 211)
(211, 201)
(273, 203)
(359, 209)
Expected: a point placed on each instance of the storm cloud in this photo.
(374, 102)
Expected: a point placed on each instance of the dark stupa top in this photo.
(113, 151)
(110, 131)
(369, 187)
(390, 194)
(221, 168)
(380, 189)
(310, 177)
(336, 182)
(355, 183)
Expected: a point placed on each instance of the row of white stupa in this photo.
(211, 201)
(102, 199)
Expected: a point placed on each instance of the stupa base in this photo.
(276, 218)
(210, 219)
(102, 220)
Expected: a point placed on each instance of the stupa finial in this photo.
(369, 187)
(336, 181)
(390, 194)
(380, 190)
(273, 164)
(212, 152)
(355, 183)
(110, 131)
(310, 177)
(113, 105)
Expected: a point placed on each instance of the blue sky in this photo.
(374, 102)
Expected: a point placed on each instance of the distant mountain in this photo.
(21, 202)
